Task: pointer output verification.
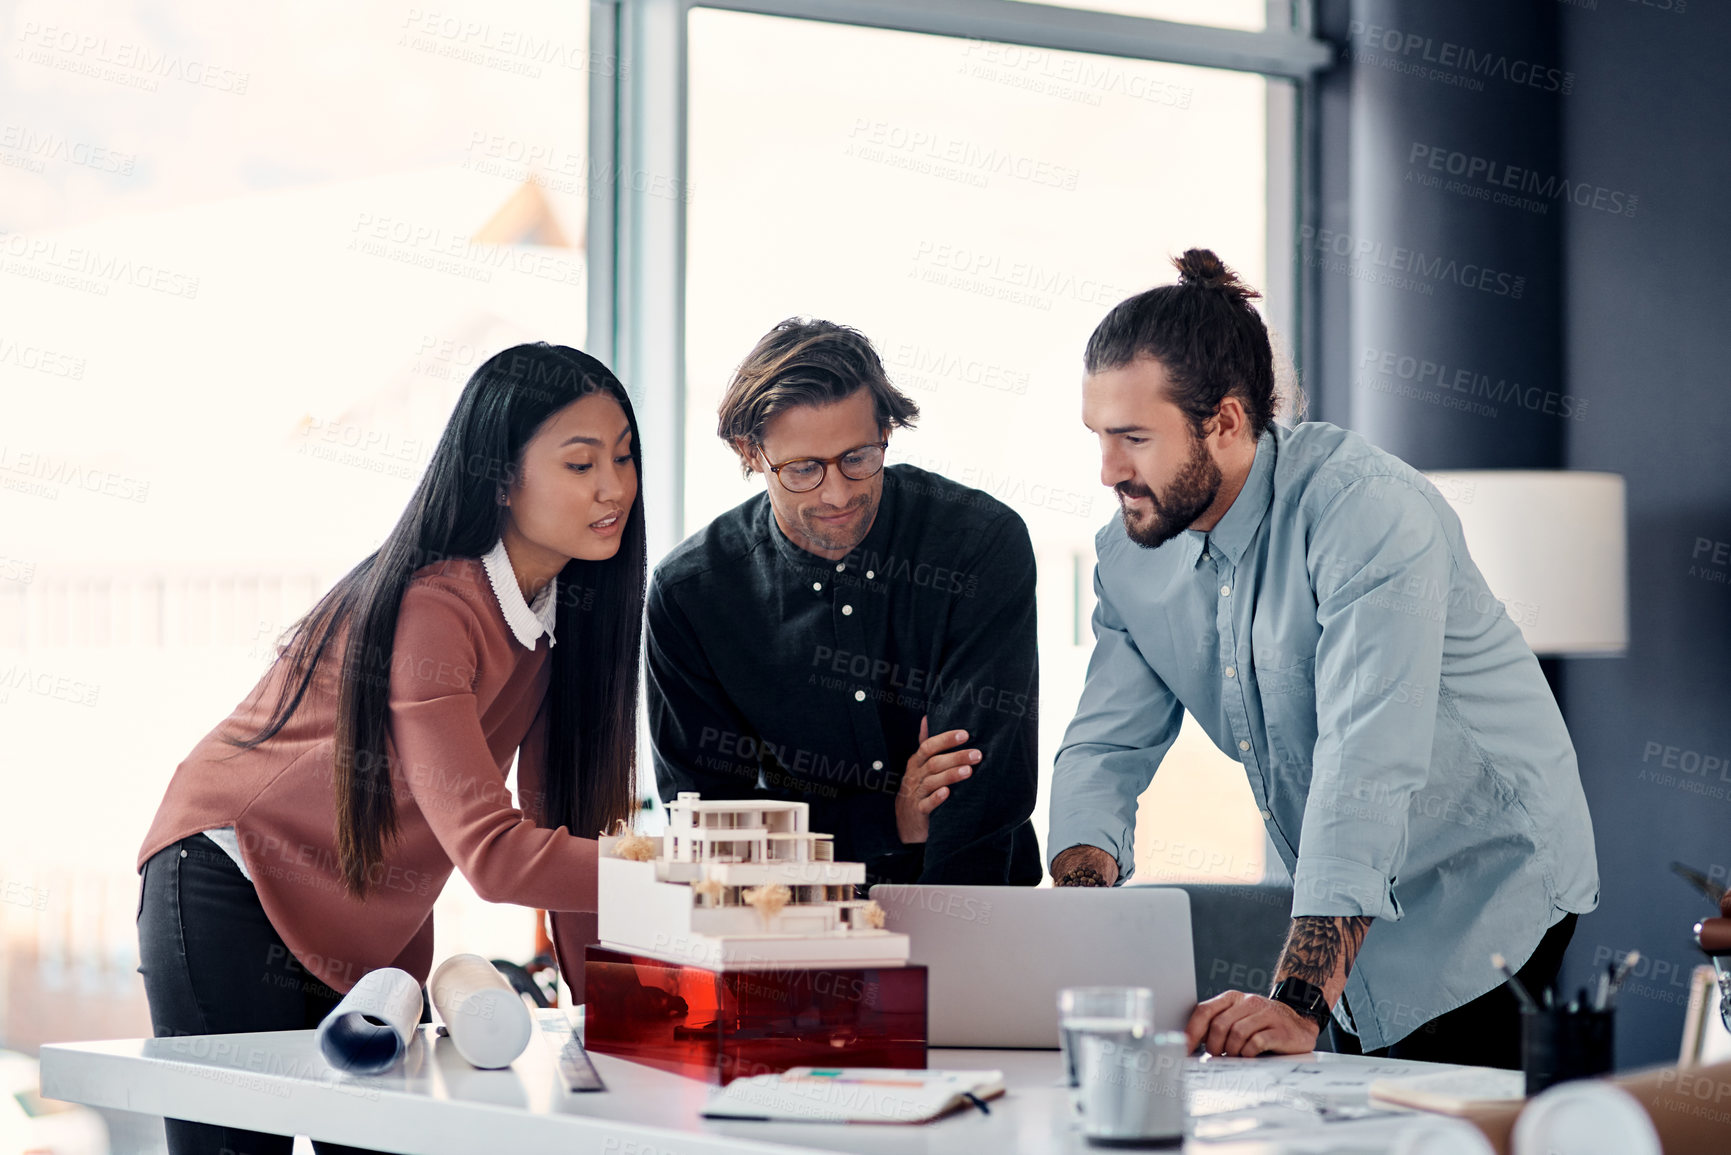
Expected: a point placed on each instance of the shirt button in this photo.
(877, 765)
(870, 574)
(817, 585)
(846, 610)
(859, 695)
(839, 566)
(1243, 745)
(1225, 591)
(1231, 671)
(1267, 815)
(1204, 555)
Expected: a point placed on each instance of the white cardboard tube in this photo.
(1589, 1116)
(484, 1014)
(372, 1027)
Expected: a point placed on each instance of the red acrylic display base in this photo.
(723, 1025)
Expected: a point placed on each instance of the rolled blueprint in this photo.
(1589, 1116)
(484, 1014)
(374, 1024)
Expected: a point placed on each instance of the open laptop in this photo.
(996, 956)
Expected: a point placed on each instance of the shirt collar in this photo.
(1240, 522)
(528, 621)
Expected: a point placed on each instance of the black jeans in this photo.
(214, 965)
(1485, 1032)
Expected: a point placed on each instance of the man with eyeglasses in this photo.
(855, 637)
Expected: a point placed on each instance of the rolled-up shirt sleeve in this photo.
(1125, 722)
(441, 756)
(1381, 568)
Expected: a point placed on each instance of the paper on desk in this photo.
(1388, 1134)
(1232, 1099)
(1214, 1085)
(372, 1027)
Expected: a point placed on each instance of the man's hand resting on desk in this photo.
(1246, 1025)
(1319, 952)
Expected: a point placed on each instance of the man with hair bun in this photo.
(1309, 599)
(856, 637)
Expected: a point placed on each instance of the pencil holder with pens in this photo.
(1560, 1043)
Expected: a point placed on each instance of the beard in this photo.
(844, 537)
(1183, 501)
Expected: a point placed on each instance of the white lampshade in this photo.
(1553, 548)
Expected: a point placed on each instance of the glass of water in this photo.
(1132, 1087)
(1103, 1009)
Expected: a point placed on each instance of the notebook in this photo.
(854, 1095)
(1451, 1092)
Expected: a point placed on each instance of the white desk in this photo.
(436, 1104)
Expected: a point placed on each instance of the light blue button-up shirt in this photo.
(1332, 634)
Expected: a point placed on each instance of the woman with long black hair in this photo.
(305, 839)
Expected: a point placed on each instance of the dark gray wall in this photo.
(1448, 283)
(1447, 134)
(1647, 339)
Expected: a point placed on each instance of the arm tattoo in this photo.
(1319, 948)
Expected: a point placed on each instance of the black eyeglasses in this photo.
(804, 474)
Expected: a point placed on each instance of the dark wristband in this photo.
(1305, 998)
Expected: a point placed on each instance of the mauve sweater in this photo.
(464, 696)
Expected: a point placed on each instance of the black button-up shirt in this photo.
(774, 673)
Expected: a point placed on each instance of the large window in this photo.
(975, 208)
(248, 255)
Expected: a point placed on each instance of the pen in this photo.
(1515, 984)
(1622, 972)
(1699, 881)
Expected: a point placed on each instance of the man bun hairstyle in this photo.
(805, 362)
(1203, 269)
(1206, 334)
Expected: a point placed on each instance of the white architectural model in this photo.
(740, 886)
